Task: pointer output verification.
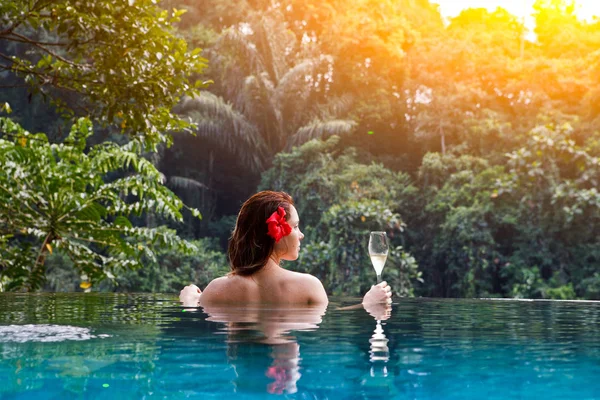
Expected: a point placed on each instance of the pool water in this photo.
(147, 346)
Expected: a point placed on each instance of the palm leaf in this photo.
(295, 93)
(217, 121)
(321, 130)
(336, 107)
(258, 99)
(294, 80)
(182, 182)
(274, 42)
(236, 42)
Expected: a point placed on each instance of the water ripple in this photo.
(45, 333)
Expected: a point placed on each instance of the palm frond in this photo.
(274, 42)
(336, 107)
(296, 92)
(182, 182)
(256, 89)
(258, 101)
(247, 55)
(219, 122)
(294, 80)
(321, 130)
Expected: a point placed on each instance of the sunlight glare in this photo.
(586, 9)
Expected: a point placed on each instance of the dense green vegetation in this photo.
(474, 144)
(100, 62)
(57, 195)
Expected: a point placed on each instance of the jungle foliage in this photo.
(56, 196)
(117, 62)
(473, 141)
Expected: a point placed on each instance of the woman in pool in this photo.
(266, 232)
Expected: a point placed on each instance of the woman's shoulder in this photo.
(310, 279)
(224, 288)
(223, 280)
(311, 286)
(302, 276)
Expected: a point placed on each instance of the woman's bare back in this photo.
(281, 287)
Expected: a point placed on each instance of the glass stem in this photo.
(378, 279)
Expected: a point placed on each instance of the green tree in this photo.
(269, 95)
(369, 42)
(60, 196)
(167, 273)
(554, 183)
(464, 87)
(121, 59)
(524, 229)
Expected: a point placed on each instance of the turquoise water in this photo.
(119, 346)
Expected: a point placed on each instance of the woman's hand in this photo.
(381, 293)
(379, 311)
(190, 296)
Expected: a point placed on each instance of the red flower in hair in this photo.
(278, 226)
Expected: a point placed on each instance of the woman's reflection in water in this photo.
(266, 325)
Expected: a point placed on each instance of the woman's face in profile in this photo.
(288, 247)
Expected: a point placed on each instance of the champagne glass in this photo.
(378, 251)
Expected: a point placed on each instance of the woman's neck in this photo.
(272, 265)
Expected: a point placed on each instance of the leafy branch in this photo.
(58, 196)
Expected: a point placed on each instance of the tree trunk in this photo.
(443, 139)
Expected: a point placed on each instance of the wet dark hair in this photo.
(249, 245)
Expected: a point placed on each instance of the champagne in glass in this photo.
(378, 251)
